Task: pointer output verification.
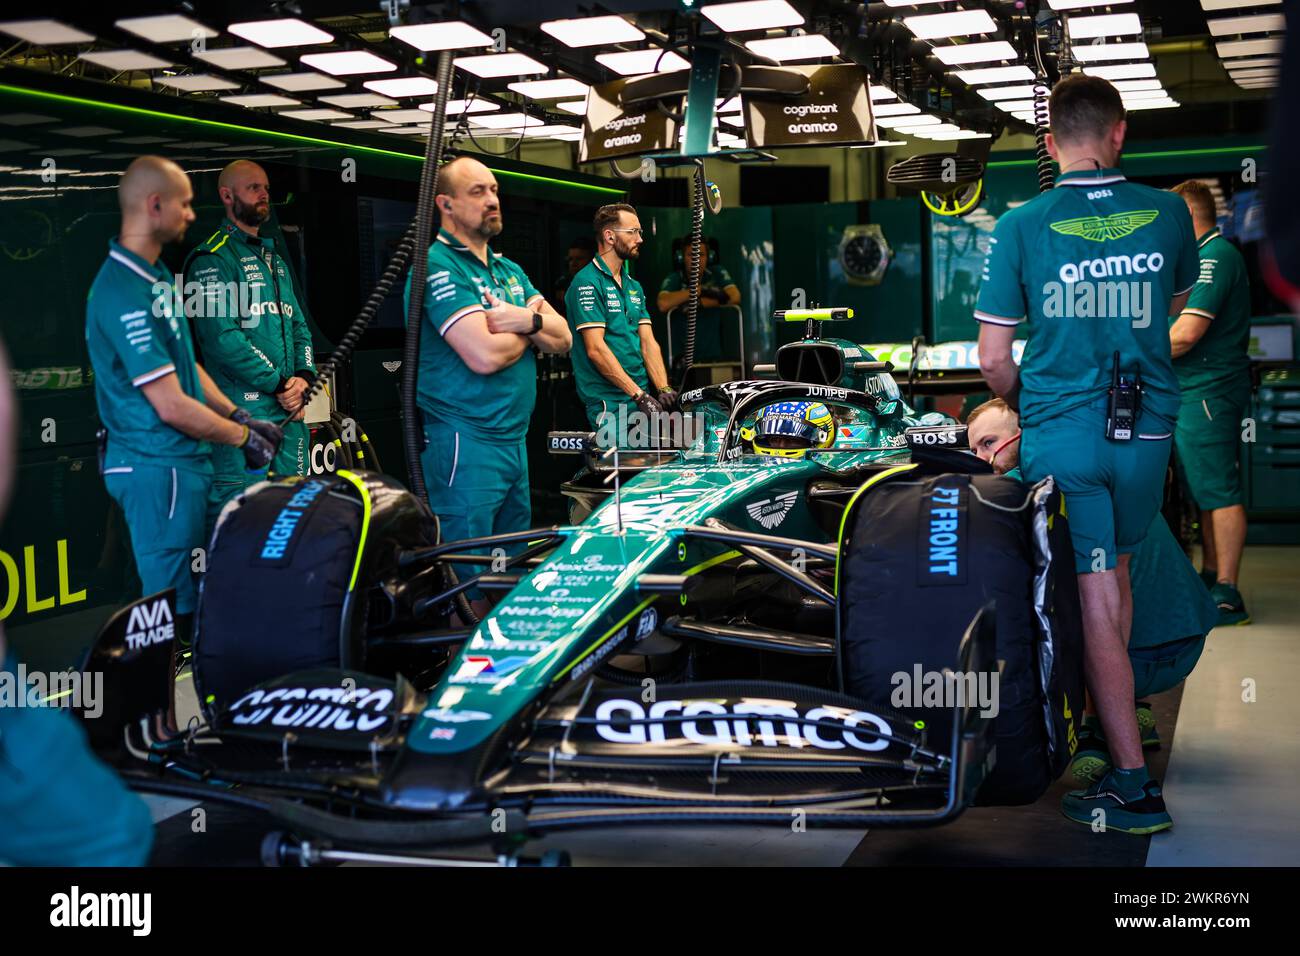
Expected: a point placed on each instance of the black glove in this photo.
(262, 443)
(647, 405)
(268, 430)
(668, 399)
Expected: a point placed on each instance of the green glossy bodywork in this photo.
(582, 603)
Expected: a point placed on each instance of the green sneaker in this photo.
(1147, 726)
(1142, 811)
(1092, 758)
(1232, 609)
(1209, 579)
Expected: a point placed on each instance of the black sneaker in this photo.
(1140, 815)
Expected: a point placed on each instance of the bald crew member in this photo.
(162, 412)
(251, 327)
(483, 319)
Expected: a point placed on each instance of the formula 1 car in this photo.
(675, 655)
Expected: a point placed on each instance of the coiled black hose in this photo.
(1042, 158)
(693, 268)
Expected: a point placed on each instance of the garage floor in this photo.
(1226, 764)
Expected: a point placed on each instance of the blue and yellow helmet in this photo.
(790, 429)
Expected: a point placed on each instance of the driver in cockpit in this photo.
(791, 429)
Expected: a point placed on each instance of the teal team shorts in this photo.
(1158, 669)
(1112, 489)
(1208, 438)
(477, 487)
(60, 805)
(164, 510)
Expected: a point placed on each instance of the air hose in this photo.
(1042, 159)
(412, 436)
(693, 267)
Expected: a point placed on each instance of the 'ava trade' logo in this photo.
(482, 669)
(1100, 228)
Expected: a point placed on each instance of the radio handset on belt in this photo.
(1123, 404)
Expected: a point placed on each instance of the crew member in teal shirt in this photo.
(1172, 612)
(162, 411)
(1091, 269)
(1210, 342)
(616, 360)
(478, 376)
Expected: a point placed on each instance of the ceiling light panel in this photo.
(592, 31)
(995, 74)
(1122, 71)
(171, 28)
(125, 60)
(317, 115)
(637, 62)
(1130, 85)
(1093, 52)
(506, 121)
(1106, 25)
(198, 82)
(1017, 92)
(960, 53)
(240, 58)
(280, 33)
(351, 101)
(1212, 5)
(456, 107)
(348, 63)
(549, 89)
(362, 124)
(1082, 4)
(260, 100)
(1252, 62)
(1260, 23)
(810, 46)
(493, 65)
(1264, 47)
(449, 35)
(577, 107)
(958, 23)
(45, 32)
(882, 93)
(403, 86)
(301, 82)
(895, 109)
(750, 15)
(389, 117)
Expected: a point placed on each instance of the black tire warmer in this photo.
(291, 569)
(919, 556)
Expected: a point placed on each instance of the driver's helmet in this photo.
(790, 429)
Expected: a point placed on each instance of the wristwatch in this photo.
(537, 323)
(864, 254)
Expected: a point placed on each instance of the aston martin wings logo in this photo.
(1100, 228)
(770, 512)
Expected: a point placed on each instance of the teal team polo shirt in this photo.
(1219, 363)
(715, 277)
(499, 405)
(134, 337)
(1074, 265)
(595, 300)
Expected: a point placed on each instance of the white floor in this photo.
(1234, 772)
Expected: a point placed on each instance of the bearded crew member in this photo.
(616, 359)
(251, 327)
(478, 373)
(162, 411)
(1092, 223)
